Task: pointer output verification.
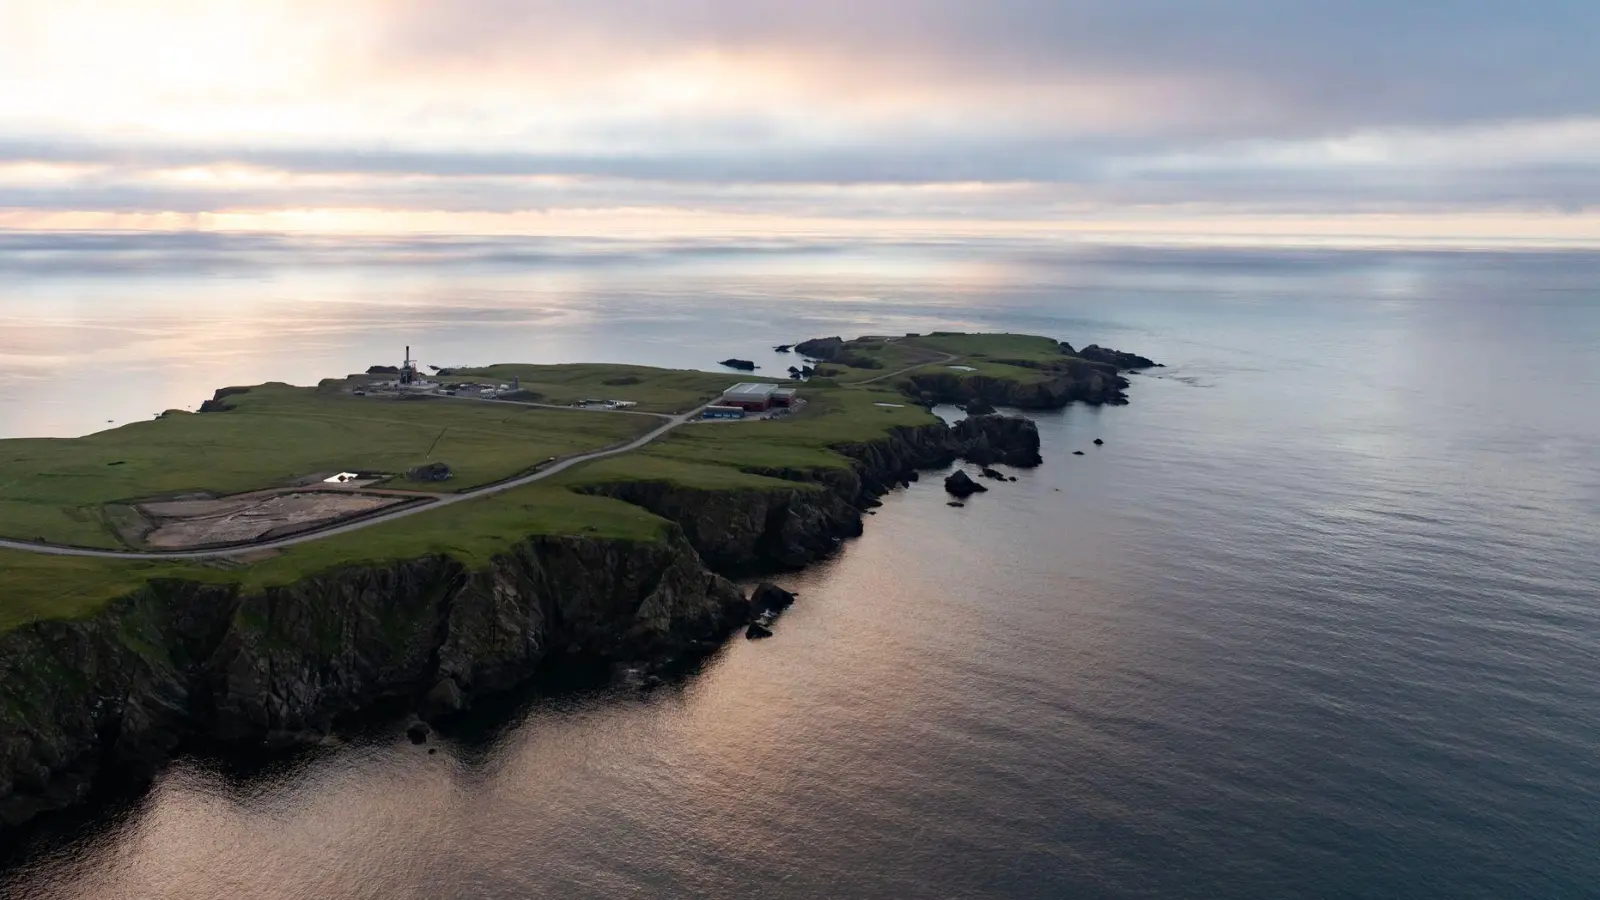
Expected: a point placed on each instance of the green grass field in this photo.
(62, 489)
(1028, 347)
(58, 490)
(831, 417)
(655, 390)
(987, 353)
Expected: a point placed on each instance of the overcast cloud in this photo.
(1005, 110)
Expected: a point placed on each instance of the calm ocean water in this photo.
(1322, 618)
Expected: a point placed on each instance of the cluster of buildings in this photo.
(737, 402)
(751, 397)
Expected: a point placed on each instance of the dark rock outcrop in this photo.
(991, 474)
(987, 440)
(769, 598)
(383, 370)
(418, 732)
(743, 365)
(960, 484)
(979, 407)
(1099, 354)
(1099, 443)
(783, 348)
(838, 350)
(445, 698)
(218, 401)
(757, 631)
(820, 348)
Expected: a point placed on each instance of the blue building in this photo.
(724, 412)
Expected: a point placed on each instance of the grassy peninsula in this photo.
(82, 492)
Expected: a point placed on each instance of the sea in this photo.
(1319, 619)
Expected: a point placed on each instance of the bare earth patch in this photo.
(183, 524)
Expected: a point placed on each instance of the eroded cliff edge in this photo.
(178, 660)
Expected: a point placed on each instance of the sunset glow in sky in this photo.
(1228, 120)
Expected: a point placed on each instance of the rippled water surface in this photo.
(1319, 620)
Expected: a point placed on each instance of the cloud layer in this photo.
(1020, 111)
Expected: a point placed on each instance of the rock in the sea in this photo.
(960, 484)
(757, 631)
(445, 698)
(418, 732)
(986, 440)
(821, 348)
(743, 365)
(769, 598)
(1077, 453)
(1012, 478)
(991, 473)
(783, 348)
(979, 407)
(1099, 443)
(956, 503)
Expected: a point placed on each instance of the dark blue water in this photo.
(1321, 619)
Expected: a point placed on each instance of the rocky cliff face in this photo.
(178, 660)
(762, 530)
(1066, 381)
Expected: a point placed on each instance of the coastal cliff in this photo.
(751, 531)
(178, 660)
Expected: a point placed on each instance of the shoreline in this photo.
(453, 635)
(178, 662)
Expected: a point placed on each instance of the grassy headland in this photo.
(67, 491)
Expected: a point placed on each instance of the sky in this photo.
(1226, 120)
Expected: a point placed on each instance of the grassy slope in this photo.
(656, 390)
(56, 489)
(706, 456)
(36, 587)
(993, 346)
(987, 353)
(830, 418)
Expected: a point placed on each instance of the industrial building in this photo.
(723, 412)
(755, 397)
